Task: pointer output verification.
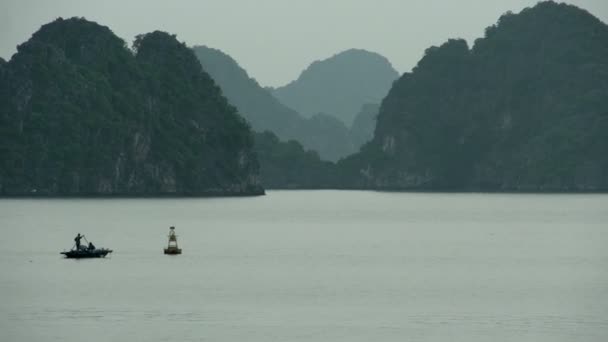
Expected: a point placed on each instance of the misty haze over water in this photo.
(309, 266)
(119, 120)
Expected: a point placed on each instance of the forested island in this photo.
(81, 114)
(524, 109)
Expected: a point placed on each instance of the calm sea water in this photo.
(309, 266)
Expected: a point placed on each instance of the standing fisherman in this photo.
(77, 239)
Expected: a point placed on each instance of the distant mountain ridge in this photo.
(524, 109)
(340, 85)
(322, 133)
(259, 107)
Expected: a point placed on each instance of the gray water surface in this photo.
(309, 266)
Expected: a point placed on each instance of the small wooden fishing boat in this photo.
(172, 248)
(90, 251)
(87, 253)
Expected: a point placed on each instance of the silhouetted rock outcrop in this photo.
(526, 109)
(81, 114)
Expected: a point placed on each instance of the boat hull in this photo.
(86, 254)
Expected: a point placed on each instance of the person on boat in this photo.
(77, 239)
(91, 246)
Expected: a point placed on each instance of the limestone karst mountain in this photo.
(340, 85)
(524, 109)
(329, 137)
(81, 114)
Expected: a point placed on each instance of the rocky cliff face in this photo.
(80, 114)
(525, 109)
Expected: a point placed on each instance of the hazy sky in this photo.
(274, 40)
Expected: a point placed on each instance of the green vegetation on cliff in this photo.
(286, 165)
(525, 109)
(81, 114)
